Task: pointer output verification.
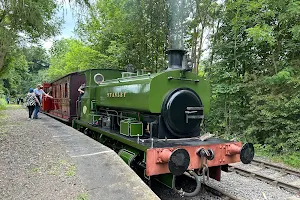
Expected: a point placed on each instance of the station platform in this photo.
(105, 174)
(102, 173)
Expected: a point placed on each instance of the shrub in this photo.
(2, 104)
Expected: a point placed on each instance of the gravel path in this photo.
(32, 164)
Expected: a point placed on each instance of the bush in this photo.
(267, 151)
(2, 104)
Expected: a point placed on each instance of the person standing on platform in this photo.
(38, 91)
(31, 101)
(7, 100)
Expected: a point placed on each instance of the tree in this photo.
(30, 19)
(135, 29)
(37, 58)
(255, 73)
(71, 55)
(15, 73)
(205, 13)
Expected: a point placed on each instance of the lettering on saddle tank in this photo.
(116, 94)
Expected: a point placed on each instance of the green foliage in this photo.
(15, 73)
(70, 55)
(23, 71)
(25, 21)
(2, 104)
(289, 158)
(281, 77)
(255, 76)
(37, 58)
(82, 196)
(261, 34)
(128, 32)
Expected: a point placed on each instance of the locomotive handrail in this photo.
(125, 78)
(118, 115)
(166, 139)
(76, 107)
(183, 79)
(92, 104)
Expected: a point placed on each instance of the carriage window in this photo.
(66, 90)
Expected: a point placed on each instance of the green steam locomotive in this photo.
(153, 121)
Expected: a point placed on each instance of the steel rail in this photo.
(216, 191)
(267, 179)
(275, 167)
(220, 193)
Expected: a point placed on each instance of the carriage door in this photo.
(47, 102)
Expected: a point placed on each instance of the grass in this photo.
(291, 159)
(54, 170)
(71, 171)
(82, 196)
(62, 166)
(3, 116)
(12, 107)
(3, 104)
(36, 169)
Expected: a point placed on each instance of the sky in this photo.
(67, 29)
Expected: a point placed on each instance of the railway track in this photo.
(281, 169)
(220, 193)
(217, 192)
(273, 179)
(207, 192)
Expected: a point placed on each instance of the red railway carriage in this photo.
(65, 94)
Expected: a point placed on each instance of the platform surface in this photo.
(46, 159)
(104, 174)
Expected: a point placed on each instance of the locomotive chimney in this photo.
(175, 57)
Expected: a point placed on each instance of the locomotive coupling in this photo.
(178, 160)
(188, 194)
(208, 154)
(246, 152)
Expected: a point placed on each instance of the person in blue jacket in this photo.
(39, 92)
